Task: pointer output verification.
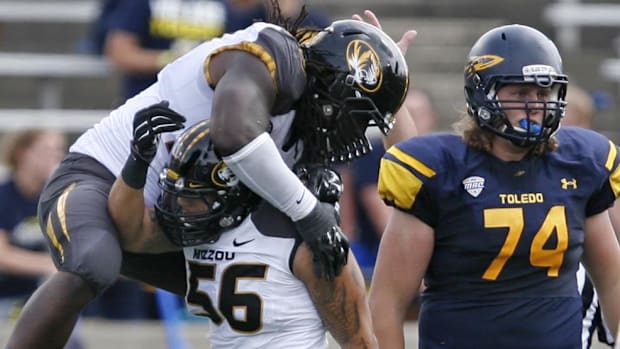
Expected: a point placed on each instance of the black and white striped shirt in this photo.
(592, 319)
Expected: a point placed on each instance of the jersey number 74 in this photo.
(512, 218)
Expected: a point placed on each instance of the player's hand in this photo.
(320, 230)
(148, 124)
(329, 253)
(323, 182)
(404, 42)
(329, 246)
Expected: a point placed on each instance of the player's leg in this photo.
(50, 314)
(84, 245)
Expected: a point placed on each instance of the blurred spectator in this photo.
(30, 157)
(95, 41)
(363, 214)
(580, 108)
(580, 112)
(421, 109)
(141, 36)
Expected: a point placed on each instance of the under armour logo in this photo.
(569, 183)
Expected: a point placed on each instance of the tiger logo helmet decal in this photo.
(365, 64)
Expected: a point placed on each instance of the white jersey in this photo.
(183, 83)
(244, 283)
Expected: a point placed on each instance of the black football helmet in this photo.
(357, 77)
(196, 172)
(515, 54)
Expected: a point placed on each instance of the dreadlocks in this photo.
(306, 110)
(291, 25)
(327, 131)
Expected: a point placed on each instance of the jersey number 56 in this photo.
(229, 297)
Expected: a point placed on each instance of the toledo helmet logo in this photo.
(364, 62)
(479, 63)
(222, 176)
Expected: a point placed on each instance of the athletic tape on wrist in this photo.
(134, 172)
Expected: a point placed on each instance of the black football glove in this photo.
(148, 124)
(323, 182)
(319, 229)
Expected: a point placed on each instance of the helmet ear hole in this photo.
(349, 80)
(477, 81)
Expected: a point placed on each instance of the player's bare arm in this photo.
(342, 302)
(601, 256)
(614, 216)
(137, 225)
(406, 242)
(126, 207)
(244, 95)
(126, 200)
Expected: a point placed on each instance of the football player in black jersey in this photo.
(275, 94)
(496, 219)
(230, 236)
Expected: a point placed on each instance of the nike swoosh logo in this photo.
(301, 198)
(237, 244)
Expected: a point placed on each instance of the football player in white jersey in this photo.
(275, 94)
(248, 270)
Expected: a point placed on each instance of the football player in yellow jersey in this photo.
(495, 220)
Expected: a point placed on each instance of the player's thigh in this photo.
(82, 237)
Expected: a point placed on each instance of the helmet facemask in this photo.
(356, 78)
(223, 209)
(490, 111)
(200, 197)
(336, 126)
(515, 55)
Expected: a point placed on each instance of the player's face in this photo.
(194, 206)
(524, 101)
